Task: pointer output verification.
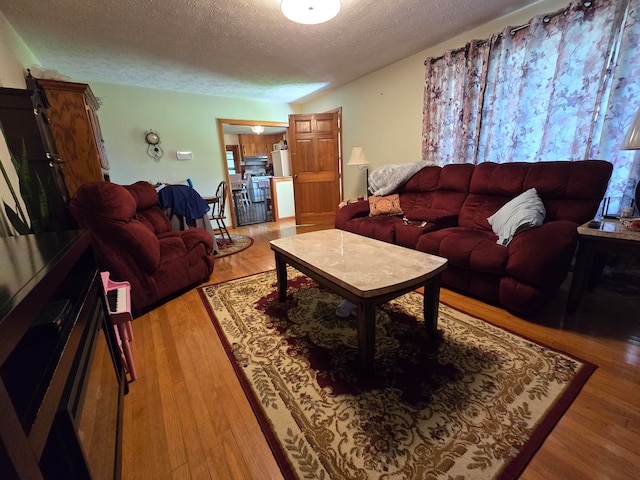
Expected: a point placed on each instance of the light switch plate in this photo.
(183, 155)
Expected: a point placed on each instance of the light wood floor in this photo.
(186, 416)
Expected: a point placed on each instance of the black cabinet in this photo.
(61, 377)
(41, 184)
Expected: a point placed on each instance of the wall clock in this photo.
(154, 150)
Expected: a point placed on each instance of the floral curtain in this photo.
(564, 87)
(619, 105)
(454, 103)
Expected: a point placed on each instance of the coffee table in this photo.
(365, 271)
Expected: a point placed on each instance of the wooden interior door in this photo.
(314, 144)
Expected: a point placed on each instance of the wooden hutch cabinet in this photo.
(74, 122)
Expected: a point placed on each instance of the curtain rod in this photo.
(546, 19)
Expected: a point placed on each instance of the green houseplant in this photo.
(33, 193)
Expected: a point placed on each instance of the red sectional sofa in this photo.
(456, 200)
(133, 240)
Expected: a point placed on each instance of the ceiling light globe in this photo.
(310, 12)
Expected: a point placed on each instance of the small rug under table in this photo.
(237, 244)
(475, 402)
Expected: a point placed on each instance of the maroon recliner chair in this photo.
(133, 240)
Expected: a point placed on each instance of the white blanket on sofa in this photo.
(387, 179)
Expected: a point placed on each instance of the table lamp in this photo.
(359, 159)
(632, 142)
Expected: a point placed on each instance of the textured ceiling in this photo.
(235, 48)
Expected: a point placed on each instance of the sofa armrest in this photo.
(542, 255)
(196, 235)
(349, 212)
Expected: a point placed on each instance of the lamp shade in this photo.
(257, 129)
(357, 157)
(632, 141)
(310, 12)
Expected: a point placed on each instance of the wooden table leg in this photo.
(366, 318)
(581, 271)
(431, 303)
(281, 272)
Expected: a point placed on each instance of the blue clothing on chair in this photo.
(184, 200)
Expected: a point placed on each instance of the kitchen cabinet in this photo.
(257, 145)
(76, 129)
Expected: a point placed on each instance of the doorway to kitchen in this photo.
(247, 147)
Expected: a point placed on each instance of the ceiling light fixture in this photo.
(257, 129)
(310, 12)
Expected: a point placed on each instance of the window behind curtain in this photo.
(564, 87)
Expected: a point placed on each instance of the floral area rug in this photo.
(475, 402)
(237, 244)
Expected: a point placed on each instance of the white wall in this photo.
(382, 112)
(185, 122)
(13, 55)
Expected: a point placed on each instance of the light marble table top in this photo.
(362, 265)
(609, 229)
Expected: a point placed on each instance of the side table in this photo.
(611, 234)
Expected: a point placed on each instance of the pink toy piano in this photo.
(118, 296)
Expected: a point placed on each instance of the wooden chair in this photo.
(239, 191)
(217, 208)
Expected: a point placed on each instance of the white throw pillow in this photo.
(523, 212)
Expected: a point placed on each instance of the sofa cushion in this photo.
(387, 205)
(418, 222)
(145, 194)
(426, 180)
(103, 200)
(443, 188)
(570, 190)
(433, 215)
(492, 185)
(172, 247)
(523, 212)
(542, 256)
(148, 211)
(474, 250)
(408, 234)
(381, 227)
(155, 220)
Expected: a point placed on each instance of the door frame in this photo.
(223, 150)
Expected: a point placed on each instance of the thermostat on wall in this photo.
(183, 155)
